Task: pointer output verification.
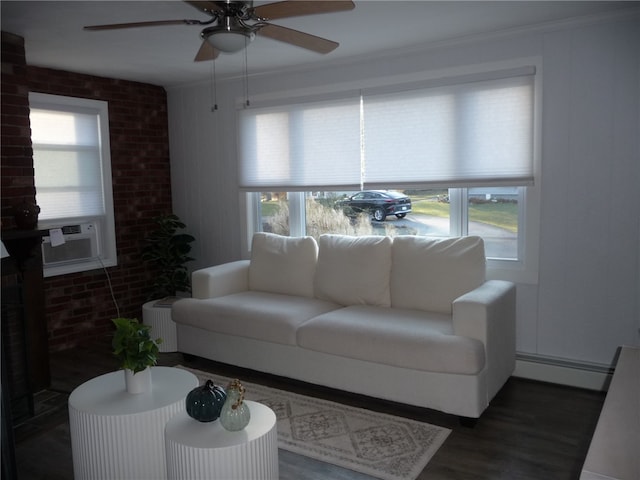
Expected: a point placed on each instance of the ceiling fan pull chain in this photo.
(246, 75)
(214, 89)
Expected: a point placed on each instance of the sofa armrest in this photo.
(220, 280)
(488, 314)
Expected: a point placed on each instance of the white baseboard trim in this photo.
(560, 371)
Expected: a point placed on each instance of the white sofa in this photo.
(409, 319)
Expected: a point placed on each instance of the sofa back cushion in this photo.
(283, 264)
(428, 274)
(354, 270)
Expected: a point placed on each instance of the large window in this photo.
(462, 149)
(71, 156)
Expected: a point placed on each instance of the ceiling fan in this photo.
(234, 24)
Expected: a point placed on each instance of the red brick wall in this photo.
(17, 161)
(79, 306)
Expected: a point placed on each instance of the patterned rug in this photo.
(376, 444)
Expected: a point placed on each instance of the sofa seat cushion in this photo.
(264, 316)
(393, 336)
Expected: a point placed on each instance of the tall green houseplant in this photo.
(168, 249)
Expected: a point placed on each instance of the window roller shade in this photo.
(67, 163)
(463, 132)
(464, 135)
(299, 147)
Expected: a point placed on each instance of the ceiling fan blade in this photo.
(300, 39)
(204, 6)
(206, 52)
(115, 26)
(284, 9)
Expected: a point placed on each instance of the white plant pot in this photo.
(138, 382)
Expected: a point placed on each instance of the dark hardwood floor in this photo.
(532, 430)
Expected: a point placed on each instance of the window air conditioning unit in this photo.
(80, 244)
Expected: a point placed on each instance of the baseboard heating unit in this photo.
(593, 376)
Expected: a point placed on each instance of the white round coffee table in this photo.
(197, 450)
(115, 434)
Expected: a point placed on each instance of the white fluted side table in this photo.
(198, 450)
(115, 434)
(162, 325)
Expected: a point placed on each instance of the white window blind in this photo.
(301, 147)
(67, 163)
(471, 134)
(457, 132)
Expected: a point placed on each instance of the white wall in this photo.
(585, 303)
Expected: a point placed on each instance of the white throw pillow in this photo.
(283, 264)
(428, 274)
(354, 270)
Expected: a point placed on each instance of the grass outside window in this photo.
(500, 213)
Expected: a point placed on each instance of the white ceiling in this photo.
(164, 55)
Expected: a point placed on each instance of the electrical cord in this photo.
(113, 297)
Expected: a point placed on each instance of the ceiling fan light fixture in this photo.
(230, 42)
(230, 37)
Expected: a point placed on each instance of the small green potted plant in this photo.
(168, 250)
(136, 351)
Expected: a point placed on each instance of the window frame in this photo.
(106, 238)
(521, 270)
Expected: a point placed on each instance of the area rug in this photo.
(376, 444)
